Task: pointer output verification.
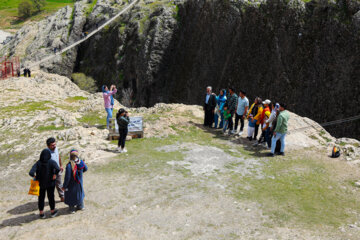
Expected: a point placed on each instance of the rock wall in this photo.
(304, 54)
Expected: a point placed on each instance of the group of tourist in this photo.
(48, 171)
(272, 118)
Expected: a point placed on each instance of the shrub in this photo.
(25, 9)
(84, 82)
(38, 4)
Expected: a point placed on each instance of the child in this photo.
(227, 116)
(122, 119)
(251, 127)
(73, 182)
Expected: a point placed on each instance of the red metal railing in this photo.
(9, 67)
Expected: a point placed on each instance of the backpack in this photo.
(335, 152)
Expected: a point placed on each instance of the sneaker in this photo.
(42, 216)
(240, 133)
(233, 131)
(250, 138)
(256, 144)
(270, 155)
(119, 150)
(54, 214)
(281, 153)
(124, 150)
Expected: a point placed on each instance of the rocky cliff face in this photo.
(304, 54)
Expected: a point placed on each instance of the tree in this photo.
(25, 9)
(38, 4)
(84, 82)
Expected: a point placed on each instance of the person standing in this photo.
(280, 130)
(265, 114)
(107, 101)
(73, 182)
(241, 110)
(45, 171)
(232, 107)
(123, 120)
(221, 100)
(51, 144)
(209, 107)
(267, 128)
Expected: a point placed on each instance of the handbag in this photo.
(34, 188)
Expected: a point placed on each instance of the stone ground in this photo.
(177, 183)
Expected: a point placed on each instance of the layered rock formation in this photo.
(304, 54)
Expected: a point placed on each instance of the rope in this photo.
(349, 119)
(85, 38)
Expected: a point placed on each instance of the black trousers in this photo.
(237, 118)
(256, 130)
(51, 197)
(123, 133)
(209, 117)
(231, 122)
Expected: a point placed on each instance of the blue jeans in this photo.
(216, 120)
(109, 115)
(278, 136)
(268, 135)
(225, 125)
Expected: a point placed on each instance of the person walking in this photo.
(73, 182)
(242, 107)
(51, 144)
(280, 130)
(232, 107)
(107, 101)
(221, 100)
(45, 171)
(123, 120)
(209, 107)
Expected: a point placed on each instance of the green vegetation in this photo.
(9, 17)
(299, 190)
(25, 9)
(12, 157)
(91, 7)
(144, 159)
(50, 128)
(93, 118)
(24, 108)
(71, 24)
(84, 82)
(75, 99)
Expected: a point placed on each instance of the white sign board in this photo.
(135, 125)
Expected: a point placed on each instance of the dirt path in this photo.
(136, 197)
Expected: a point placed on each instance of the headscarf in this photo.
(45, 156)
(111, 96)
(76, 164)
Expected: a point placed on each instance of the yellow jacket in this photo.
(258, 115)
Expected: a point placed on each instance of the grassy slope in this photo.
(8, 12)
(302, 189)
